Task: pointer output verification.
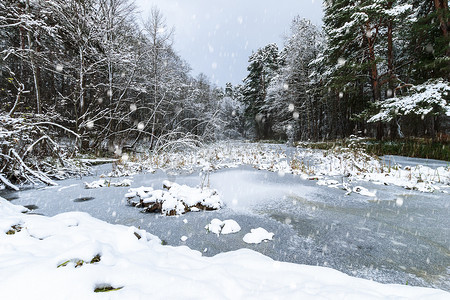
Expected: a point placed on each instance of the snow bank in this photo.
(258, 235)
(71, 255)
(6, 206)
(358, 166)
(175, 199)
(223, 227)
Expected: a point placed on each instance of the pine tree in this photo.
(364, 51)
(263, 66)
(292, 101)
(430, 40)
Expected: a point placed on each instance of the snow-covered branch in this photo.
(432, 97)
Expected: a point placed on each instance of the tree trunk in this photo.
(81, 86)
(443, 13)
(376, 91)
(19, 93)
(441, 7)
(34, 67)
(390, 51)
(390, 61)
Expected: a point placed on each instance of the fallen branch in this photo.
(49, 142)
(40, 176)
(60, 126)
(7, 183)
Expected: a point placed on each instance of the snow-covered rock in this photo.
(258, 235)
(363, 191)
(230, 226)
(175, 199)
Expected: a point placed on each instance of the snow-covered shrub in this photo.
(30, 151)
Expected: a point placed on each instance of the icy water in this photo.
(400, 237)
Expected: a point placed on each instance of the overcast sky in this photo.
(216, 37)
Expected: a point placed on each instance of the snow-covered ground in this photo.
(75, 256)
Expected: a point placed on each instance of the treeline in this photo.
(378, 68)
(91, 67)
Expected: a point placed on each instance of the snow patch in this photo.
(363, 191)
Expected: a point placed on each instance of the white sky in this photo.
(216, 37)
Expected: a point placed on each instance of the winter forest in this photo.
(92, 87)
(90, 71)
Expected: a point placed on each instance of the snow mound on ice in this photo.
(175, 199)
(258, 235)
(223, 227)
(107, 183)
(363, 191)
(230, 226)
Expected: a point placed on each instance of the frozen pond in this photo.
(399, 237)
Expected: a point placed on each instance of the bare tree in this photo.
(159, 38)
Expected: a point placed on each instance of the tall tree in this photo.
(262, 68)
(159, 39)
(292, 101)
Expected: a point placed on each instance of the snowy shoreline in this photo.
(32, 247)
(348, 166)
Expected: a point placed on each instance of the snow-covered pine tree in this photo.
(416, 59)
(344, 64)
(291, 99)
(262, 68)
(430, 40)
(364, 52)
